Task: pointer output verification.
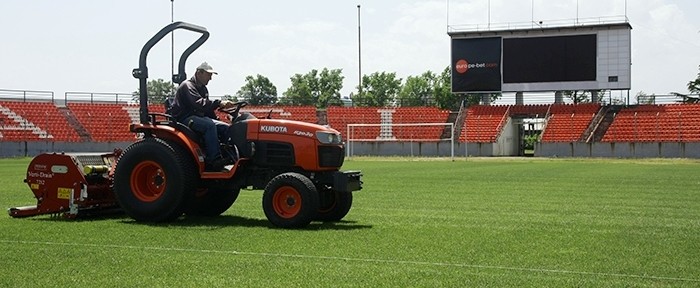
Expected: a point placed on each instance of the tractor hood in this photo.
(289, 143)
(274, 128)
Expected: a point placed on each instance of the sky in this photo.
(92, 46)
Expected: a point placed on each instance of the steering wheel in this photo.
(233, 111)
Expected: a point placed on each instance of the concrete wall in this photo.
(428, 149)
(424, 149)
(507, 142)
(619, 149)
(33, 148)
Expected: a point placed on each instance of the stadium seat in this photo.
(656, 123)
(35, 121)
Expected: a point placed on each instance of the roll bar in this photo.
(142, 72)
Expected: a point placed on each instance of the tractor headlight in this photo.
(328, 137)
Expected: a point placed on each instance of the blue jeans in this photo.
(211, 130)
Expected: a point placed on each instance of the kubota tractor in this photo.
(162, 176)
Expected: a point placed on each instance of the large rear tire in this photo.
(290, 200)
(154, 179)
(334, 205)
(212, 202)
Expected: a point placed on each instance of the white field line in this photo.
(367, 260)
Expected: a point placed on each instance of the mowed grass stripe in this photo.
(335, 258)
(594, 218)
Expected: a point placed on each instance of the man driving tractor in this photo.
(193, 108)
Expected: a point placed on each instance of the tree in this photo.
(694, 86)
(444, 98)
(430, 89)
(158, 90)
(418, 90)
(378, 90)
(584, 96)
(643, 98)
(577, 96)
(229, 98)
(258, 90)
(313, 88)
(475, 98)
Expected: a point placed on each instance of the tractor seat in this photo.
(187, 131)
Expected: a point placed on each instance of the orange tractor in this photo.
(162, 176)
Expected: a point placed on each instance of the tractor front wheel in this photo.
(290, 200)
(334, 205)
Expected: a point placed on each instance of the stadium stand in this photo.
(297, 113)
(656, 123)
(340, 117)
(530, 110)
(105, 122)
(484, 123)
(34, 121)
(414, 115)
(567, 122)
(101, 122)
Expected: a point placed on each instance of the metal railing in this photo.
(24, 95)
(544, 24)
(101, 97)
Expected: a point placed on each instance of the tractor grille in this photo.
(330, 156)
(272, 153)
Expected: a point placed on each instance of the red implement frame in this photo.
(69, 184)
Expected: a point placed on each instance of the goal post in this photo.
(399, 132)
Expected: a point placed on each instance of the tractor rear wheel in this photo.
(154, 179)
(212, 202)
(334, 205)
(290, 200)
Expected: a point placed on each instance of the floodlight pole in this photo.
(532, 14)
(172, 38)
(359, 52)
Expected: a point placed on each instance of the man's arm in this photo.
(199, 105)
(203, 106)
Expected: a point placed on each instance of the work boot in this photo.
(216, 165)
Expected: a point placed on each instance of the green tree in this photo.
(378, 90)
(644, 98)
(314, 88)
(444, 98)
(229, 98)
(430, 89)
(475, 98)
(585, 96)
(418, 90)
(577, 96)
(158, 90)
(258, 90)
(694, 85)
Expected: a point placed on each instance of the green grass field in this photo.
(517, 222)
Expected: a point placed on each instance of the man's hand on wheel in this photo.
(225, 104)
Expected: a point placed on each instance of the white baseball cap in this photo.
(206, 67)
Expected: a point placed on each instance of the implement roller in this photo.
(70, 184)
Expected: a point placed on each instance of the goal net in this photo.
(399, 132)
